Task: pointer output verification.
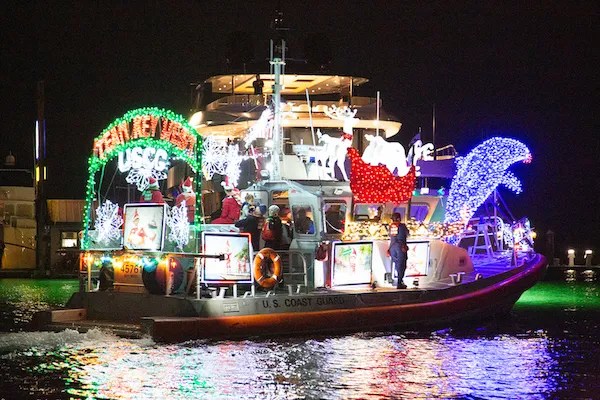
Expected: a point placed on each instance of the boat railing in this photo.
(446, 152)
(292, 105)
(294, 267)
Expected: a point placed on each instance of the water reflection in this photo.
(21, 298)
(533, 355)
(97, 365)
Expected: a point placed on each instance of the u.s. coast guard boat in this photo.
(309, 146)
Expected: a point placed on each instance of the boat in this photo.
(17, 223)
(307, 145)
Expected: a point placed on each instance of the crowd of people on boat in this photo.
(271, 226)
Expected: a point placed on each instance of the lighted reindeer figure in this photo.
(336, 148)
(390, 154)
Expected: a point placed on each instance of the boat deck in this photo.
(483, 267)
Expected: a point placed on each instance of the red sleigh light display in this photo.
(376, 184)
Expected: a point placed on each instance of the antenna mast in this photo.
(278, 67)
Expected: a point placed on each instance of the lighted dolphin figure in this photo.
(479, 174)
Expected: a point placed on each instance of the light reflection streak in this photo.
(349, 367)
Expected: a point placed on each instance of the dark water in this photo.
(549, 348)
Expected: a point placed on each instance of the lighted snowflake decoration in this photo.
(479, 174)
(177, 221)
(214, 156)
(232, 165)
(141, 176)
(108, 222)
(220, 158)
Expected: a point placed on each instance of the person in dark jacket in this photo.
(276, 226)
(250, 225)
(398, 248)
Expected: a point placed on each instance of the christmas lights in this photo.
(479, 174)
(366, 230)
(376, 184)
(179, 226)
(108, 222)
(262, 128)
(148, 127)
(223, 159)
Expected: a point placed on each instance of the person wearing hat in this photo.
(188, 197)
(230, 210)
(276, 226)
(152, 193)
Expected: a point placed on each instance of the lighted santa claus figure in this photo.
(152, 193)
(188, 197)
(230, 210)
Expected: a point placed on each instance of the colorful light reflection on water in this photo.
(494, 361)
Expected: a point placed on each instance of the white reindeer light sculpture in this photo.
(336, 148)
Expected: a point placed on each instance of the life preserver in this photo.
(264, 278)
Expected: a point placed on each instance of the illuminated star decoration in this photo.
(179, 226)
(108, 222)
(479, 174)
(376, 184)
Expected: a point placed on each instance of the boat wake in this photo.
(43, 341)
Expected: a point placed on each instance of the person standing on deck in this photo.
(258, 85)
(274, 225)
(230, 210)
(250, 224)
(398, 248)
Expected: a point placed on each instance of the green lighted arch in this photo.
(96, 162)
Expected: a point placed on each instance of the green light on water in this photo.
(561, 295)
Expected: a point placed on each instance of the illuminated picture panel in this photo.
(417, 263)
(237, 265)
(352, 263)
(144, 226)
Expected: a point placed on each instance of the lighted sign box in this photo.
(418, 259)
(237, 265)
(144, 226)
(352, 263)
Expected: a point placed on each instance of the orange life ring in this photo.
(264, 278)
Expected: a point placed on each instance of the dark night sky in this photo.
(525, 72)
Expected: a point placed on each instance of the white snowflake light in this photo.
(232, 165)
(214, 156)
(108, 222)
(220, 158)
(140, 177)
(177, 221)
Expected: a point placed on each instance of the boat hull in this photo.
(476, 302)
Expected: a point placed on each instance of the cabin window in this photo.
(68, 240)
(418, 211)
(303, 219)
(335, 217)
(368, 212)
